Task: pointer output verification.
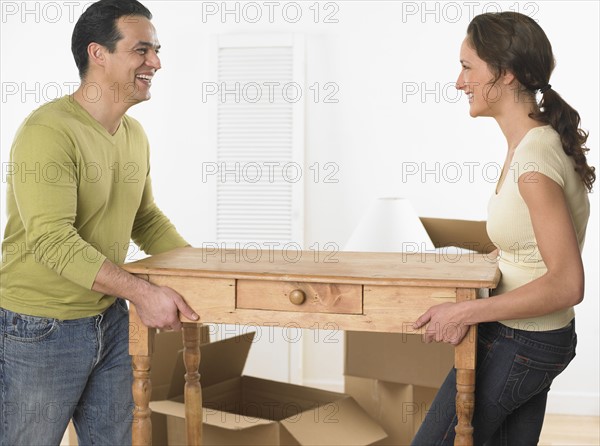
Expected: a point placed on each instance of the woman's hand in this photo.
(444, 323)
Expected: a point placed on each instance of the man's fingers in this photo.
(185, 309)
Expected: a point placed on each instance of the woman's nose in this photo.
(460, 84)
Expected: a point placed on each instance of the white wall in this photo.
(376, 54)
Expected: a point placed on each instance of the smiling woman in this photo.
(538, 220)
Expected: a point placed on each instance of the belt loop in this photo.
(509, 332)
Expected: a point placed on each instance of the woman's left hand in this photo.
(444, 323)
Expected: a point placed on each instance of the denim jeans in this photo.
(53, 370)
(514, 371)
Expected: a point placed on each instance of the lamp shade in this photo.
(390, 225)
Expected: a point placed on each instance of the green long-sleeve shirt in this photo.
(76, 195)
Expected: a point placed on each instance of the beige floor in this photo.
(559, 430)
(569, 430)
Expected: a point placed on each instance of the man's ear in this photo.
(96, 54)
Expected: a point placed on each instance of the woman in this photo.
(537, 217)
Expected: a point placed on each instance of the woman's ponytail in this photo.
(554, 110)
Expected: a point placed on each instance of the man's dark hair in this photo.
(98, 24)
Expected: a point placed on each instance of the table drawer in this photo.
(299, 296)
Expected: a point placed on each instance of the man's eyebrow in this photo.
(148, 44)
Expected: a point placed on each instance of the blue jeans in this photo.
(514, 371)
(53, 370)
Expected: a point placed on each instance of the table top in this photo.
(466, 270)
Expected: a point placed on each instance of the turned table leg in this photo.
(141, 346)
(465, 405)
(193, 391)
(464, 362)
(141, 433)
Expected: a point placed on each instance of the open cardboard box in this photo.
(244, 410)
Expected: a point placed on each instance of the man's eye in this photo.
(142, 50)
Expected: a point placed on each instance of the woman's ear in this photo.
(508, 77)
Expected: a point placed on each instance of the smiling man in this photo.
(81, 191)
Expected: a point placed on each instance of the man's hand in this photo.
(157, 306)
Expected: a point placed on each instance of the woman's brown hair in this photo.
(509, 41)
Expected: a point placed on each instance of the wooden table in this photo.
(383, 292)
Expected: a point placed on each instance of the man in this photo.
(81, 190)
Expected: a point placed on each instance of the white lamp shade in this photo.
(390, 225)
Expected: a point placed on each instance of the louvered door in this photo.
(260, 139)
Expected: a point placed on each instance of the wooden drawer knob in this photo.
(297, 297)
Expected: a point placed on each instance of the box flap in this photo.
(219, 361)
(341, 422)
(167, 366)
(166, 349)
(224, 360)
(212, 417)
(168, 407)
(467, 234)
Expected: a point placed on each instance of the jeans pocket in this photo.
(526, 379)
(122, 305)
(24, 328)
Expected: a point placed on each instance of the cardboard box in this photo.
(398, 408)
(244, 410)
(397, 358)
(405, 358)
(167, 348)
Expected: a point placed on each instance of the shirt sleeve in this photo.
(152, 231)
(45, 188)
(542, 156)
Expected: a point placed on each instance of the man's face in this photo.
(129, 70)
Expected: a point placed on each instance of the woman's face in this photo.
(474, 79)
